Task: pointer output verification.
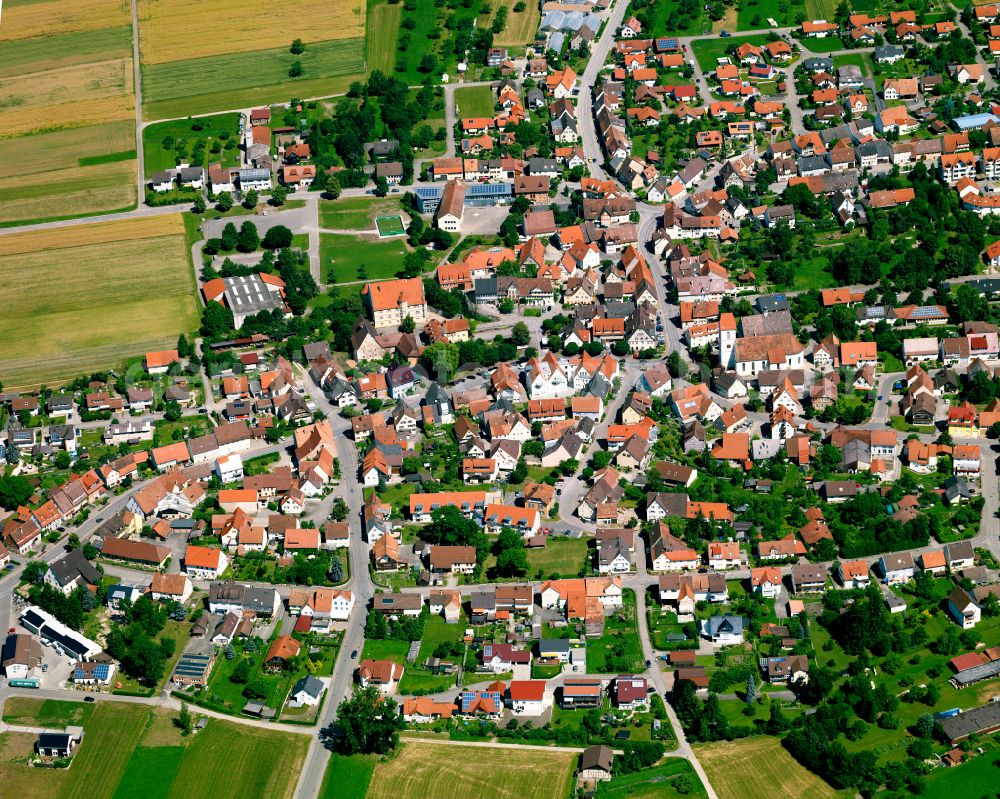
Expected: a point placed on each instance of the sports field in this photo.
(443, 772)
(60, 317)
(132, 751)
(775, 772)
(521, 26)
(474, 101)
(389, 226)
(354, 213)
(344, 259)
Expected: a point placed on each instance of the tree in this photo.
(407, 325)
(676, 365)
(381, 186)
(184, 347)
(277, 238)
(216, 320)
(278, 195)
(184, 719)
(241, 674)
(198, 206)
(230, 236)
(520, 335)
(512, 559)
(297, 48)
(751, 690)
(366, 723)
(250, 199)
(295, 70)
(340, 510)
(331, 187)
(257, 688)
(248, 239)
(172, 411)
(223, 201)
(14, 492)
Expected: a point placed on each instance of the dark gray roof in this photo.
(72, 566)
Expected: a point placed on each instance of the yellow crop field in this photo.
(422, 770)
(74, 191)
(143, 227)
(24, 19)
(776, 772)
(176, 30)
(521, 26)
(85, 94)
(86, 297)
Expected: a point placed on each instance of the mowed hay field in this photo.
(775, 772)
(382, 35)
(87, 297)
(246, 60)
(67, 118)
(132, 751)
(444, 772)
(521, 26)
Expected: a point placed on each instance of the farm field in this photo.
(173, 30)
(474, 101)
(347, 777)
(135, 752)
(185, 72)
(521, 26)
(966, 780)
(344, 259)
(25, 19)
(76, 325)
(197, 85)
(422, 770)
(72, 94)
(64, 50)
(74, 191)
(75, 96)
(776, 773)
(382, 34)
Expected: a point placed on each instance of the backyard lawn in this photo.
(474, 101)
(708, 51)
(653, 783)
